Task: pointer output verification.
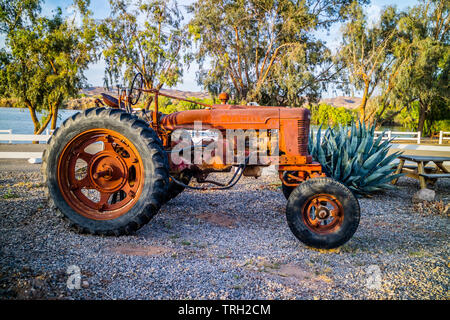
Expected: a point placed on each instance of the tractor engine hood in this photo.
(224, 117)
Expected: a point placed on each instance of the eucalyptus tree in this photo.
(424, 79)
(264, 50)
(367, 57)
(146, 36)
(43, 59)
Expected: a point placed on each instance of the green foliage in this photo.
(405, 58)
(326, 114)
(44, 58)
(10, 195)
(264, 51)
(366, 55)
(9, 103)
(440, 125)
(353, 157)
(423, 82)
(437, 120)
(167, 105)
(153, 48)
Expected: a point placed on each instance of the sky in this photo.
(100, 8)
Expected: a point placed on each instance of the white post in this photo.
(10, 132)
(389, 134)
(418, 137)
(440, 137)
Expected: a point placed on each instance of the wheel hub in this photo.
(108, 172)
(323, 213)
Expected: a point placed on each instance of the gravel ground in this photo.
(231, 244)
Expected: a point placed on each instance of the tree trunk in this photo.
(148, 102)
(37, 126)
(34, 118)
(422, 114)
(44, 125)
(362, 107)
(54, 117)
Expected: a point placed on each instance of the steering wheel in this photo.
(135, 89)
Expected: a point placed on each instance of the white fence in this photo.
(406, 136)
(7, 132)
(6, 135)
(395, 135)
(416, 136)
(399, 135)
(442, 136)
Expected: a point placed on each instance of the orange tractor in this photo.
(110, 168)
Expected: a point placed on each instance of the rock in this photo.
(35, 160)
(424, 195)
(269, 171)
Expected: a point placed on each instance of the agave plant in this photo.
(353, 157)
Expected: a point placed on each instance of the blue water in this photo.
(19, 120)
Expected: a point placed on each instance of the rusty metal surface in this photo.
(323, 213)
(292, 125)
(117, 168)
(293, 175)
(110, 101)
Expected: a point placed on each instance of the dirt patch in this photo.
(274, 186)
(219, 219)
(296, 274)
(135, 250)
(292, 271)
(290, 274)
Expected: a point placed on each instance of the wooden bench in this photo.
(422, 172)
(413, 167)
(435, 175)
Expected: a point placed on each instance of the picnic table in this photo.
(425, 174)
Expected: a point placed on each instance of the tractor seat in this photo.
(111, 101)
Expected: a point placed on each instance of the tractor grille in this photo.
(303, 131)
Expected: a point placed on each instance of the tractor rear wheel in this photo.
(106, 171)
(322, 213)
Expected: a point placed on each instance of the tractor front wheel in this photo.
(322, 213)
